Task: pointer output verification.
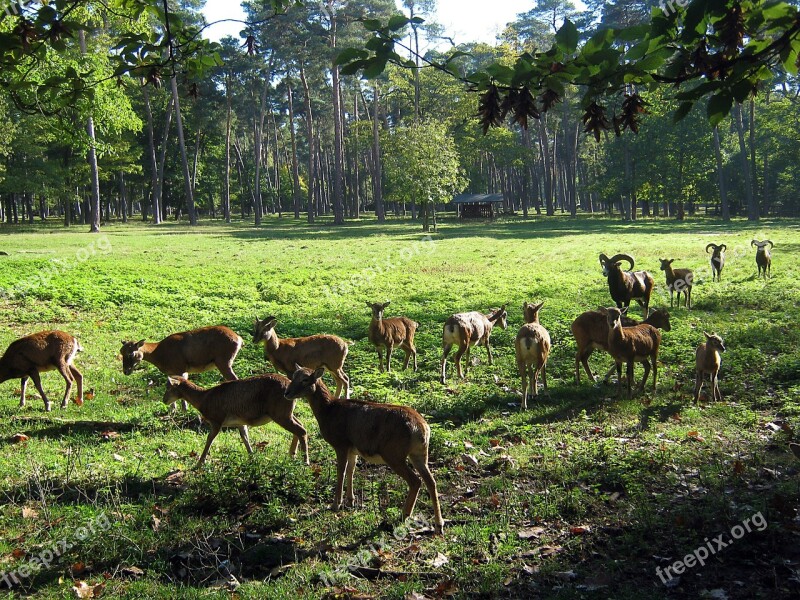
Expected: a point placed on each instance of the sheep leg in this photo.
(629, 372)
(420, 463)
(34, 375)
(400, 466)
(584, 360)
(389, 349)
(610, 371)
(646, 365)
(380, 359)
(543, 369)
(655, 372)
(245, 438)
(445, 352)
(215, 429)
(342, 382)
(352, 460)
(342, 458)
(698, 385)
(63, 369)
(489, 352)
(618, 365)
(226, 368)
(184, 404)
(523, 372)
(78, 377)
(409, 351)
(717, 393)
(459, 354)
(689, 298)
(295, 427)
(23, 385)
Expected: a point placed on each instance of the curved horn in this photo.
(723, 247)
(714, 246)
(626, 257)
(771, 245)
(755, 243)
(603, 260)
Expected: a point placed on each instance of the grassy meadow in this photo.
(582, 496)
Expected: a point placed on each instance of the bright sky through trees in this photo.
(464, 20)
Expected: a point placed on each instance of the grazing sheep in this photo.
(717, 260)
(627, 285)
(763, 257)
(322, 350)
(391, 332)
(678, 280)
(638, 343)
(708, 360)
(532, 349)
(40, 352)
(179, 354)
(467, 330)
(590, 330)
(241, 403)
(380, 433)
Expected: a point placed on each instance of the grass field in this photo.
(582, 496)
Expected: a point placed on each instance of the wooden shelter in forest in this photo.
(477, 206)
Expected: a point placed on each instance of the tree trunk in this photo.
(377, 168)
(338, 143)
(312, 179)
(187, 180)
(548, 169)
(723, 195)
(151, 143)
(295, 163)
(92, 156)
(158, 208)
(752, 207)
(226, 197)
(259, 135)
(123, 198)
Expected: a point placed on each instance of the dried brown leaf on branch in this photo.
(490, 112)
(595, 121)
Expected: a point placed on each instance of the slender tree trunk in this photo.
(259, 133)
(312, 178)
(753, 167)
(158, 208)
(123, 198)
(548, 168)
(92, 156)
(377, 168)
(226, 197)
(295, 162)
(151, 142)
(723, 194)
(187, 179)
(338, 141)
(752, 207)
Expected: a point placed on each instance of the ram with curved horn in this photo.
(763, 257)
(627, 285)
(717, 260)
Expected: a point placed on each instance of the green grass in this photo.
(583, 495)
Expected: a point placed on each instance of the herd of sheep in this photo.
(380, 433)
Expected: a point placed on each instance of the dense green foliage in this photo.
(583, 495)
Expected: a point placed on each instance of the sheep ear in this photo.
(671, 260)
(387, 303)
(297, 367)
(368, 304)
(171, 381)
(708, 337)
(624, 310)
(602, 309)
(319, 373)
(140, 343)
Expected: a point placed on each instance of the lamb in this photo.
(708, 360)
(467, 330)
(186, 352)
(40, 352)
(627, 285)
(391, 332)
(678, 280)
(241, 403)
(590, 330)
(638, 343)
(313, 351)
(717, 260)
(380, 433)
(763, 257)
(532, 349)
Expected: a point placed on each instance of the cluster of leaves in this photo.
(723, 48)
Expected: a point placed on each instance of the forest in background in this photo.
(277, 129)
